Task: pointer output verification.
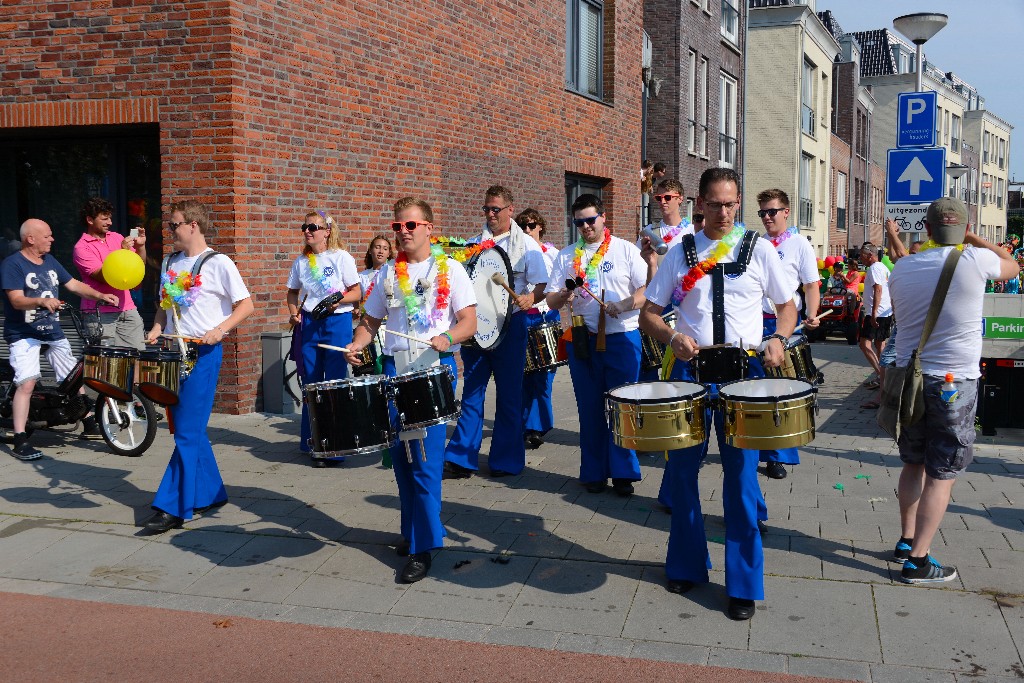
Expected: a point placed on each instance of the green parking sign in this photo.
(1002, 328)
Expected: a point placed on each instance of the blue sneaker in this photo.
(902, 552)
(930, 571)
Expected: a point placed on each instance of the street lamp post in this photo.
(955, 172)
(919, 28)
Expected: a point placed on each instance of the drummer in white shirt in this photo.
(611, 266)
(721, 245)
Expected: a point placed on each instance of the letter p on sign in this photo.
(915, 106)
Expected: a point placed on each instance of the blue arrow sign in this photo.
(916, 117)
(915, 176)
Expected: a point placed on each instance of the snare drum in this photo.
(425, 398)
(160, 375)
(652, 352)
(110, 370)
(348, 416)
(657, 416)
(718, 366)
(797, 363)
(768, 413)
(369, 364)
(542, 347)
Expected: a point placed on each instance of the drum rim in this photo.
(163, 355)
(348, 381)
(364, 450)
(803, 393)
(426, 372)
(510, 307)
(647, 401)
(111, 351)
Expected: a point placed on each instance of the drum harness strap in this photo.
(188, 357)
(718, 273)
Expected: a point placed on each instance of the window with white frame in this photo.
(705, 105)
(999, 193)
(1002, 153)
(731, 21)
(584, 47)
(807, 98)
(691, 138)
(954, 141)
(727, 122)
(841, 200)
(806, 191)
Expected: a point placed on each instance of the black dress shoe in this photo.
(453, 471)
(416, 568)
(500, 473)
(534, 440)
(622, 487)
(596, 486)
(211, 506)
(402, 549)
(775, 470)
(681, 586)
(740, 609)
(762, 527)
(163, 521)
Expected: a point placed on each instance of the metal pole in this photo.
(920, 69)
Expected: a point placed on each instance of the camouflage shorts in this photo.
(944, 438)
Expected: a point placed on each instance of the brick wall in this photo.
(840, 163)
(267, 109)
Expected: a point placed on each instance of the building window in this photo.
(727, 122)
(691, 138)
(706, 6)
(841, 200)
(822, 186)
(575, 185)
(807, 97)
(1002, 153)
(955, 134)
(999, 193)
(705, 105)
(584, 47)
(985, 184)
(806, 191)
(984, 148)
(730, 21)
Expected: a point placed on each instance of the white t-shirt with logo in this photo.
(664, 229)
(955, 342)
(380, 305)
(743, 293)
(531, 270)
(221, 287)
(877, 274)
(339, 268)
(621, 272)
(799, 264)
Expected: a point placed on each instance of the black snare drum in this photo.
(717, 366)
(348, 416)
(425, 398)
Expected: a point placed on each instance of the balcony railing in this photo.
(727, 150)
(806, 212)
(807, 120)
(841, 218)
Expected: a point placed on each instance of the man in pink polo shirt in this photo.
(122, 324)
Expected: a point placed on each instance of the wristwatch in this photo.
(780, 338)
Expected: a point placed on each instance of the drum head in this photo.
(765, 390)
(493, 302)
(112, 351)
(656, 392)
(351, 382)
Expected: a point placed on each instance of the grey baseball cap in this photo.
(947, 218)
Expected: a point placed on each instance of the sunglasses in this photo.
(590, 220)
(531, 226)
(769, 212)
(174, 226)
(494, 209)
(666, 197)
(311, 227)
(408, 225)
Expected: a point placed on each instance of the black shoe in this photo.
(163, 521)
(775, 470)
(534, 440)
(762, 528)
(740, 609)
(679, 587)
(90, 429)
(902, 552)
(622, 487)
(416, 568)
(500, 473)
(453, 471)
(22, 450)
(596, 486)
(208, 508)
(319, 463)
(402, 549)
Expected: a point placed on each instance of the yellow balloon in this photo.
(821, 264)
(123, 269)
(860, 288)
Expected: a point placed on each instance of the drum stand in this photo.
(413, 435)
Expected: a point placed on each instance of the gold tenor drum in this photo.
(657, 416)
(797, 363)
(542, 347)
(160, 375)
(768, 414)
(110, 370)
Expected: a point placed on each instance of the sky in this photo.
(982, 44)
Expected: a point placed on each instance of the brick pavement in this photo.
(308, 546)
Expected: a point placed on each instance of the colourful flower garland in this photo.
(547, 246)
(179, 288)
(674, 231)
(412, 301)
(931, 244)
(689, 280)
(318, 276)
(595, 261)
(461, 250)
(782, 237)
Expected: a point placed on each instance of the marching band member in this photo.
(204, 305)
(538, 416)
(378, 253)
(800, 265)
(323, 270)
(506, 360)
(614, 266)
(721, 308)
(426, 294)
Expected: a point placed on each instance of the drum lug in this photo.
(355, 437)
(351, 396)
(318, 399)
(401, 419)
(776, 416)
(689, 417)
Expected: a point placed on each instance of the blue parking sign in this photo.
(916, 117)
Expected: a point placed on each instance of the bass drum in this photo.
(493, 302)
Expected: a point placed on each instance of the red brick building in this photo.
(267, 109)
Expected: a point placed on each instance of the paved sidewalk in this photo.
(311, 546)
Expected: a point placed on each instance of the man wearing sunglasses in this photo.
(715, 281)
(506, 360)
(612, 269)
(446, 320)
(800, 266)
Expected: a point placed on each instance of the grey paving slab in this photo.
(881, 673)
(745, 659)
(830, 668)
(671, 652)
(596, 645)
(73, 558)
(360, 578)
(521, 637)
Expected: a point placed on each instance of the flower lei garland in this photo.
(546, 246)
(412, 301)
(689, 280)
(461, 250)
(179, 288)
(595, 260)
(931, 244)
(318, 275)
(667, 239)
(782, 237)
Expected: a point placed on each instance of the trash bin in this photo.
(281, 392)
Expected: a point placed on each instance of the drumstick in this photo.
(716, 346)
(408, 336)
(497, 279)
(331, 347)
(181, 336)
(819, 317)
(571, 284)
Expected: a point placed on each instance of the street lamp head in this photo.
(920, 27)
(956, 170)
